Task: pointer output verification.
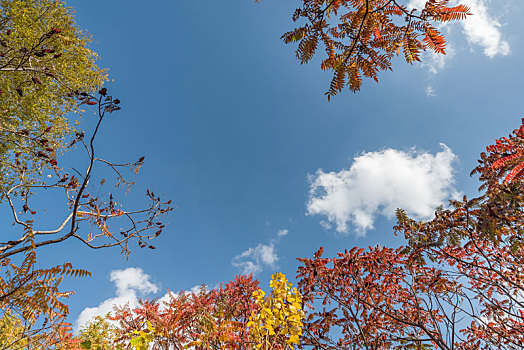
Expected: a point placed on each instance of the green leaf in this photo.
(86, 344)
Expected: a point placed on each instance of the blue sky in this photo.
(235, 130)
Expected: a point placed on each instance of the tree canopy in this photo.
(44, 59)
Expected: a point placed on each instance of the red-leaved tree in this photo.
(457, 284)
(361, 37)
(208, 319)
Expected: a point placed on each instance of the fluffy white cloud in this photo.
(129, 283)
(484, 30)
(132, 279)
(377, 183)
(254, 259)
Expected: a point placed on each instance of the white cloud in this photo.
(282, 233)
(377, 183)
(480, 27)
(484, 30)
(417, 4)
(129, 283)
(132, 279)
(253, 260)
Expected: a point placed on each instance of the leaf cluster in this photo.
(278, 323)
(361, 37)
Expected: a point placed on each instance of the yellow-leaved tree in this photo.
(44, 59)
(278, 323)
(47, 73)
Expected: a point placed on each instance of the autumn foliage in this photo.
(504, 159)
(277, 324)
(46, 73)
(457, 284)
(213, 319)
(453, 297)
(235, 316)
(361, 37)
